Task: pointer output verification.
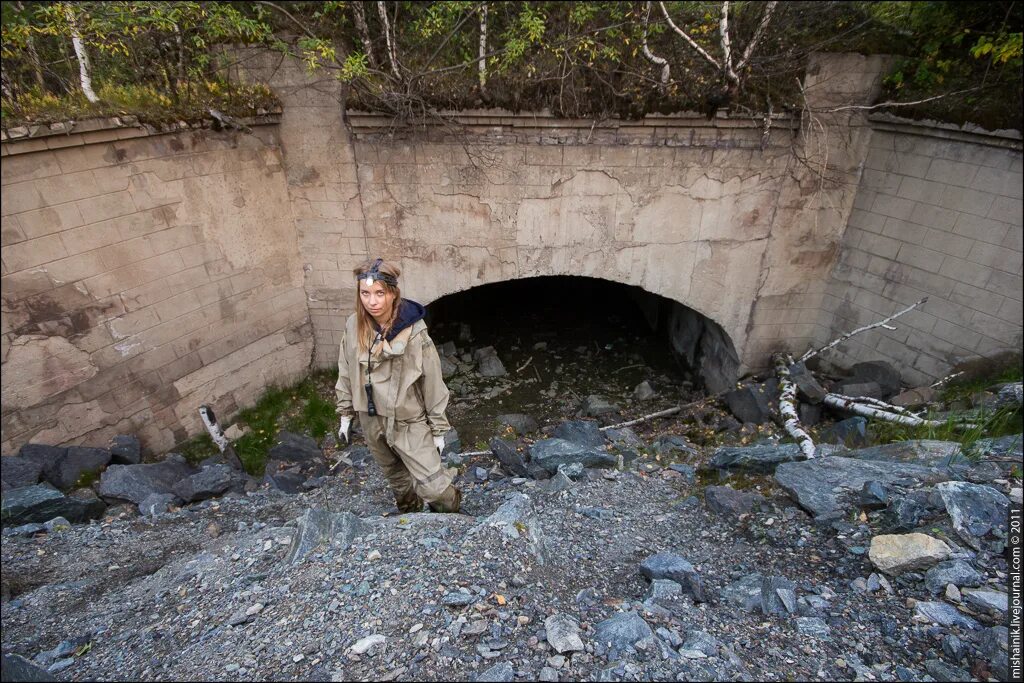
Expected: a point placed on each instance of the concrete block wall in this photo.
(938, 214)
(144, 274)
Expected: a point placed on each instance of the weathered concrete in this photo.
(147, 272)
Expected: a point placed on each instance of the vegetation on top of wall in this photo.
(581, 59)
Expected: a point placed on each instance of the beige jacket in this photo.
(407, 383)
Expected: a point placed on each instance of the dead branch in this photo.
(882, 105)
(787, 406)
(656, 60)
(946, 379)
(881, 323)
(525, 365)
(860, 407)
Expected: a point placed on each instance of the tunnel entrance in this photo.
(561, 339)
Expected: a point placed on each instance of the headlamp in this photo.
(374, 274)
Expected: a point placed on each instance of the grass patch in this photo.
(982, 373)
(190, 103)
(989, 424)
(198, 449)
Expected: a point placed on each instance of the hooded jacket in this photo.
(404, 368)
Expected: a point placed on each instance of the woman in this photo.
(390, 360)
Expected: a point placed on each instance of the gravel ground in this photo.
(205, 593)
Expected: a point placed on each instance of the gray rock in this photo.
(906, 513)
(1004, 446)
(45, 455)
(17, 471)
(745, 593)
(620, 632)
(483, 352)
(623, 438)
(956, 572)
(520, 423)
(814, 627)
(447, 349)
(810, 415)
(662, 588)
(134, 482)
(940, 671)
(515, 519)
(851, 432)
(499, 673)
(156, 504)
(278, 475)
(560, 482)
(977, 511)
(1010, 395)
(701, 641)
(563, 633)
(25, 529)
(17, 668)
(725, 500)
(458, 599)
(41, 503)
(509, 458)
(944, 614)
(754, 458)
(452, 444)
(926, 452)
(296, 448)
(914, 398)
(751, 403)
(57, 525)
(874, 495)
(858, 388)
(595, 406)
(125, 449)
(881, 373)
(491, 366)
(953, 647)
(583, 432)
(644, 391)
(206, 483)
(673, 567)
(65, 472)
(994, 645)
(671, 444)
(823, 486)
(550, 453)
(987, 600)
(807, 386)
(448, 368)
(316, 527)
(778, 596)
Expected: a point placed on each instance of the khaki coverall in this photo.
(411, 399)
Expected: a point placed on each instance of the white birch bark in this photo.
(482, 64)
(787, 407)
(84, 71)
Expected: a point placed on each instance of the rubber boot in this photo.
(409, 502)
(450, 501)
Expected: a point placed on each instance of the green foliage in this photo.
(197, 449)
(987, 424)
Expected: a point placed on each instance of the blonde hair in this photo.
(365, 329)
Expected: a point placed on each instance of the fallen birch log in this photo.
(787, 407)
(871, 408)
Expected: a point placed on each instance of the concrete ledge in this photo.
(39, 137)
(969, 132)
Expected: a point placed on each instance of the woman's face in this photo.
(376, 299)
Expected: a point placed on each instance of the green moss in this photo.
(86, 479)
(197, 449)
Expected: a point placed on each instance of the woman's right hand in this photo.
(346, 423)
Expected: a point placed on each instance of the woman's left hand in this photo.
(439, 444)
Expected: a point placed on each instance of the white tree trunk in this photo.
(858, 406)
(83, 57)
(787, 407)
(482, 64)
(389, 39)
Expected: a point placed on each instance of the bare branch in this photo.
(659, 61)
(840, 340)
(882, 105)
(758, 34)
(701, 51)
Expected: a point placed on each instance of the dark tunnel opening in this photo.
(560, 339)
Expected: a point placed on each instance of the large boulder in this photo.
(295, 448)
(125, 449)
(956, 572)
(509, 458)
(294, 459)
(895, 554)
(17, 471)
(520, 423)
(17, 668)
(829, 487)
(674, 568)
(550, 453)
(619, 633)
(317, 527)
(881, 373)
(978, 512)
(918, 451)
(725, 500)
(78, 462)
(806, 385)
(133, 483)
(41, 503)
(752, 403)
(754, 458)
(851, 432)
(583, 432)
(208, 482)
(45, 455)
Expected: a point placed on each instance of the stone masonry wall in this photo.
(143, 275)
(937, 214)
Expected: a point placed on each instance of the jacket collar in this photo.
(409, 312)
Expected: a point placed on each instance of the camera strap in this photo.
(369, 351)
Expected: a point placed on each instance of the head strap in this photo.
(374, 274)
